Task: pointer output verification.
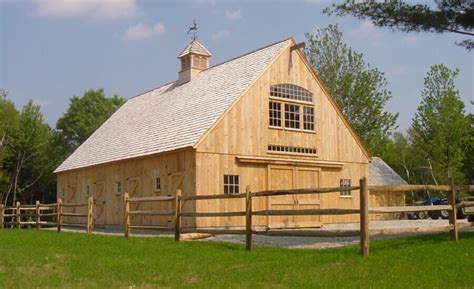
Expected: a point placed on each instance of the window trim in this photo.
(347, 193)
(157, 184)
(234, 184)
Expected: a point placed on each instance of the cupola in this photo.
(194, 58)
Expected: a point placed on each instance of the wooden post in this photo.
(59, 214)
(18, 215)
(177, 216)
(248, 219)
(38, 217)
(2, 213)
(90, 216)
(453, 233)
(126, 217)
(364, 218)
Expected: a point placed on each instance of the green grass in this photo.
(30, 258)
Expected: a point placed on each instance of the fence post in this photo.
(453, 232)
(248, 219)
(37, 211)
(126, 216)
(2, 212)
(90, 217)
(177, 216)
(18, 215)
(364, 218)
(59, 213)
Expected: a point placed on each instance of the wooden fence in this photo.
(364, 232)
(33, 215)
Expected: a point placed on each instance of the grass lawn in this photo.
(31, 258)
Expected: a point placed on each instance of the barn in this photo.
(262, 120)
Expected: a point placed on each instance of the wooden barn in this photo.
(263, 119)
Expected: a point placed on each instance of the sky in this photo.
(51, 50)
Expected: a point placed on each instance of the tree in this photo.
(27, 154)
(468, 167)
(454, 16)
(440, 129)
(358, 89)
(84, 115)
(8, 123)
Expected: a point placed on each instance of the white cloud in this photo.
(233, 15)
(97, 9)
(220, 34)
(367, 31)
(142, 31)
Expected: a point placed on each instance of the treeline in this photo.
(440, 141)
(30, 149)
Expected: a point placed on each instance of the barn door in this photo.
(307, 178)
(133, 189)
(99, 198)
(281, 178)
(176, 182)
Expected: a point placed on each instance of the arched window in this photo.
(291, 91)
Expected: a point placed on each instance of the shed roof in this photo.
(381, 174)
(172, 116)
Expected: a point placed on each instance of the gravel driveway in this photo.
(321, 243)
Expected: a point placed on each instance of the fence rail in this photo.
(38, 211)
(364, 211)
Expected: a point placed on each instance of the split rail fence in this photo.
(364, 232)
(34, 215)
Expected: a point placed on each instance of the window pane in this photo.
(291, 91)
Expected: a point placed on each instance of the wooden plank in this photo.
(158, 228)
(75, 204)
(59, 216)
(52, 206)
(303, 191)
(364, 218)
(151, 199)
(38, 216)
(214, 197)
(453, 233)
(18, 216)
(90, 215)
(306, 212)
(150, 213)
(465, 205)
(74, 215)
(126, 217)
(248, 219)
(214, 231)
(309, 233)
(48, 214)
(177, 216)
(279, 161)
(395, 231)
(214, 214)
(401, 209)
(408, 188)
(29, 208)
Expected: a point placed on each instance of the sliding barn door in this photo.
(99, 198)
(281, 178)
(307, 178)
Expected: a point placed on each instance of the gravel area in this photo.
(321, 243)
(291, 242)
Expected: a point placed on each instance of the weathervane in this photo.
(193, 29)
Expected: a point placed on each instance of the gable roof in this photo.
(381, 174)
(195, 47)
(172, 116)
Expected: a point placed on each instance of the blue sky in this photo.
(51, 50)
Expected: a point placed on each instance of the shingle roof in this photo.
(381, 174)
(171, 117)
(195, 47)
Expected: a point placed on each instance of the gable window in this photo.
(308, 118)
(275, 114)
(157, 184)
(291, 91)
(231, 184)
(345, 183)
(292, 116)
